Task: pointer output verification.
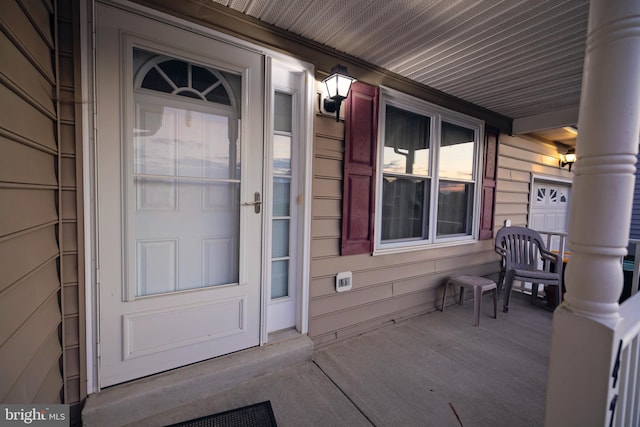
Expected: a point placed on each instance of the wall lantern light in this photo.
(338, 84)
(568, 159)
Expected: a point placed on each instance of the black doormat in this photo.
(258, 415)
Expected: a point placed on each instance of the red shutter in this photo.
(358, 195)
(489, 183)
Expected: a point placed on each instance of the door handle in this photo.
(257, 202)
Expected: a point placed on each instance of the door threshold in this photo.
(135, 401)
(282, 335)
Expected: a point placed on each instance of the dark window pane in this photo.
(155, 81)
(201, 78)
(189, 94)
(454, 134)
(188, 80)
(406, 142)
(176, 70)
(282, 111)
(404, 212)
(280, 238)
(455, 208)
(219, 95)
(281, 195)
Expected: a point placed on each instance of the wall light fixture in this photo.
(338, 84)
(568, 159)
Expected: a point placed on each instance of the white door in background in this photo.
(179, 169)
(549, 212)
(550, 207)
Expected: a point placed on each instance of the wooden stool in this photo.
(479, 285)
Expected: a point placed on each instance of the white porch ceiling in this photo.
(519, 58)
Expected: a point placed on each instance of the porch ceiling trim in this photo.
(229, 21)
(549, 120)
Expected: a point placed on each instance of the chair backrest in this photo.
(520, 246)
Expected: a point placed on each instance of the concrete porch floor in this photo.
(409, 373)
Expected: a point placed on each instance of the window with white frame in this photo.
(427, 173)
(283, 195)
(281, 214)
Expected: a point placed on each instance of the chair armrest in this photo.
(548, 255)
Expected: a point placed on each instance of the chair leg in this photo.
(535, 287)
(508, 284)
(477, 303)
(444, 295)
(461, 300)
(494, 291)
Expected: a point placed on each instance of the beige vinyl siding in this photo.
(72, 261)
(29, 253)
(519, 159)
(385, 287)
(40, 229)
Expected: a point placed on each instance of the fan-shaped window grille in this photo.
(176, 77)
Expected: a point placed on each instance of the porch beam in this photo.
(585, 332)
(548, 120)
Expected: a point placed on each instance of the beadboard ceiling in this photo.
(519, 58)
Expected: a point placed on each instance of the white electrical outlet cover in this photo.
(344, 281)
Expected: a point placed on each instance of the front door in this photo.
(179, 185)
(550, 208)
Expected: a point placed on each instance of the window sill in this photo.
(430, 246)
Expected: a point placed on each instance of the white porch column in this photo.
(584, 340)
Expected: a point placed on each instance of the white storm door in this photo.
(549, 212)
(550, 208)
(179, 167)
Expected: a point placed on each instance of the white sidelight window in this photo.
(428, 172)
(281, 209)
(284, 195)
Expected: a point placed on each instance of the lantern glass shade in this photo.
(570, 158)
(338, 83)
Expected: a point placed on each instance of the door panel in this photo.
(549, 206)
(549, 211)
(179, 149)
(182, 213)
